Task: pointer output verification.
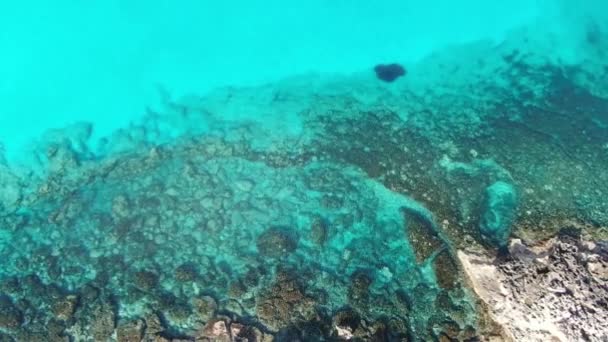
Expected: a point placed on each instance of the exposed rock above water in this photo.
(556, 290)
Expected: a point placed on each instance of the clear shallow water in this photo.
(70, 61)
(289, 193)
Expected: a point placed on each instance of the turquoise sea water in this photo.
(237, 170)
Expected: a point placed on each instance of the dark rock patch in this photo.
(277, 241)
(389, 72)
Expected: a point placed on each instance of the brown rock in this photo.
(153, 325)
(204, 307)
(283, 304)
(421, 235)
(103, 321)
(64, 308)
(215, 330)
(446, 270)
(145, 280)
(130, 331)
(276, 242)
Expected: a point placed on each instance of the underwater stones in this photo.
(10, 285)
(10, 316)
(318, 329)
(499, 211)
(277, 241)
(332, 201)
(204, 307)
(398, 329)
(421, 234)
(121, 207)
(132, 331)
(243, 333)
(89, 293)
(10, 190)
(132, 295)
(145, 280)
(444, 329)
(176, 312)
(186, 273)
(153, 325)
(236, 289)
(253, 276)
(360, 282)
(64, 308)
(102, 320)
(236, 308)
(446, 270)
(284, 303)
(318, 230)
(389, 72)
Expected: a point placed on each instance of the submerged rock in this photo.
(389, 72)
(204, 307)
(318, 230)
(283, 304)
(10, 316)
(64, 308)
(498, 213)
(145, 280)
(277, 241)
(132, 331)
(186, 272)
(10, 190)
(422, 235)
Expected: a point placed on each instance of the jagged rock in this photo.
(542, 292)
(215, 330)
(346, 322)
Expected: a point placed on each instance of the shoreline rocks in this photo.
(552, 291)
